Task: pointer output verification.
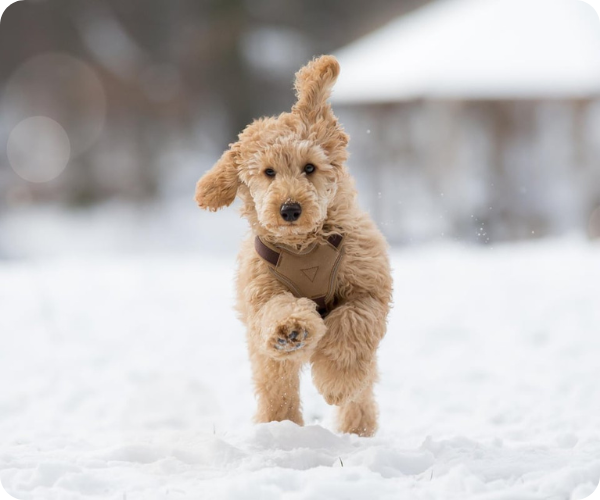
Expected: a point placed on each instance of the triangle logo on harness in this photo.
(310, 272)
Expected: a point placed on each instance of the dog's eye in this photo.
(270, 172)
(309, 168)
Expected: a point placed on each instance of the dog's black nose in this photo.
(290, 211)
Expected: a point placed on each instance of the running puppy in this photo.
(314, 282)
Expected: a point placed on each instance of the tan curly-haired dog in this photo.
(314, 281)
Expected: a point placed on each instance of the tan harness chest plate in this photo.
(310, 273)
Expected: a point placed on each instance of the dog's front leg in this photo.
(282, 337)
(344, 364)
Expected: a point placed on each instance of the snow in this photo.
(117, 228)
(476, 49)
(125, 377)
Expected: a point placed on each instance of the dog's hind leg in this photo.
(344, 364)
(359, 416)
(277, 386)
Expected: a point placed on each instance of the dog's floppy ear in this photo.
(217, 187)
(313, 87)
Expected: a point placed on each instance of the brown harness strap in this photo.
(310, 273)
(271, 256)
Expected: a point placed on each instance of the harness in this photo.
(310, 273)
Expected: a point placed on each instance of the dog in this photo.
(314, 282)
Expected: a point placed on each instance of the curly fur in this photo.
(342, 347)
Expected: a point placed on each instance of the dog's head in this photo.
(286, 169)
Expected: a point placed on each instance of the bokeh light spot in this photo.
(63, 88)
(38, 149)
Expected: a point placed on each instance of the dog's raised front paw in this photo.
(291, 327)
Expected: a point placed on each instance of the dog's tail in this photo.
(313, 86)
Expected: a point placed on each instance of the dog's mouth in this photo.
(285, 228)
(277, 224)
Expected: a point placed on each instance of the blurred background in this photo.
(472, 121)
(475, 144)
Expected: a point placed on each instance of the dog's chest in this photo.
(311, 273)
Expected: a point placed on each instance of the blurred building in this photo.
(477, 119)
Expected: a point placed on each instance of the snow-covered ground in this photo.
(126, 378)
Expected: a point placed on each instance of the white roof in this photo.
(476, 49)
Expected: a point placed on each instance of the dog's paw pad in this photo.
(290, 340)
